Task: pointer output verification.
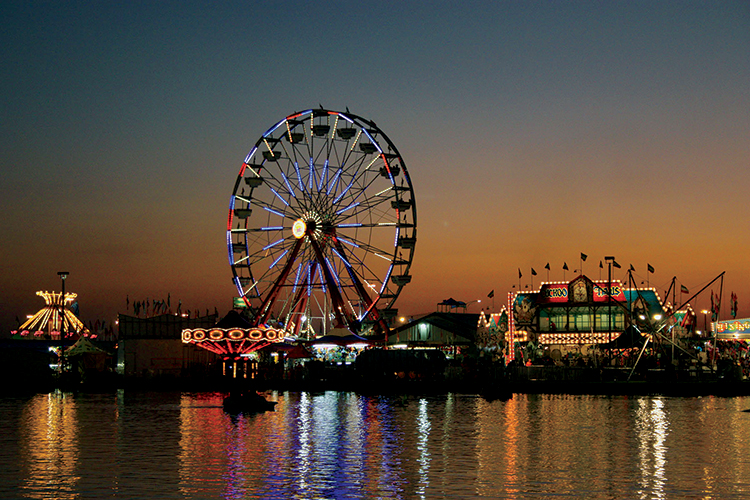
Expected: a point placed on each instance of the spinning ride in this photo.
(322, 225)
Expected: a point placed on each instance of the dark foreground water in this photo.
(342, 445)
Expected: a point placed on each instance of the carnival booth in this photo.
(579, 315)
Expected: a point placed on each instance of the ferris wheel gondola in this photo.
(322, 224)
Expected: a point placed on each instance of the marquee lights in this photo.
(232, 341)
(577, 338)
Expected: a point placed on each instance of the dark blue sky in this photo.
(533, 131)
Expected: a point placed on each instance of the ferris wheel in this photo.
(322, 224)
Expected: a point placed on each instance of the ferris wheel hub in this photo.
(299, 228)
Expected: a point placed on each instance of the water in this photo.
(342, 445)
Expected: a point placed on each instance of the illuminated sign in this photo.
(738, 326)
(558, 292)
(555, 293)
(602, 291)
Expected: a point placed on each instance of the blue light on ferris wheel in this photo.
(279, 197)
(269, 209)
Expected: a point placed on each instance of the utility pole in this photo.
(63, 275)
(609, 260)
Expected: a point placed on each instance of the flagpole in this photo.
(519, 280)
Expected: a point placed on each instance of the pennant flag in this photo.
(684, 289)
(547, 266)
(584, 257)
(615, 264)
(688, 321)
(565, 266)
(519, 273)
(491, 294)
(601, 266)
(650, 268)
(533, 273)
(714, 307)
(632, 268)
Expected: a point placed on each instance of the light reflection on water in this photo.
(342, 445)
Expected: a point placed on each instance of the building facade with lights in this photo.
(732, 329)
(580, 312)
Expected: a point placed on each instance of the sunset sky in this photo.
(533, 131)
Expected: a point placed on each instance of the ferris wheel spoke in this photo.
(285, 213)
(270, 251)
(348, 168)
(366, 247)
(349, 225)
(265, 229)
(356, 279)
(369, 204)
(357, 187)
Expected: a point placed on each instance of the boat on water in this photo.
(250, 402)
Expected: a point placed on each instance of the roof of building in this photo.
(463, 324)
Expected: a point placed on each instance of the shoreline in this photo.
(500, 389)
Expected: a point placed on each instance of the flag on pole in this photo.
(733, 305)
(688, 321)
(491, 294)
(650, 268)
(519, 273)
(583, 256)
(547, 266)
(632, 268)
(684, 289)
(533, 273)
(714, 307)
(565, 266)
(615, 264)
(601, 266)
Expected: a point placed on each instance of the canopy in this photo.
(452, 303)
(84, 346)
(340, 340)
(628, 339)
(298, 352)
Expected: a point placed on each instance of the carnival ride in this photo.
(322, 225)
(53, 318)
(321, 233)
